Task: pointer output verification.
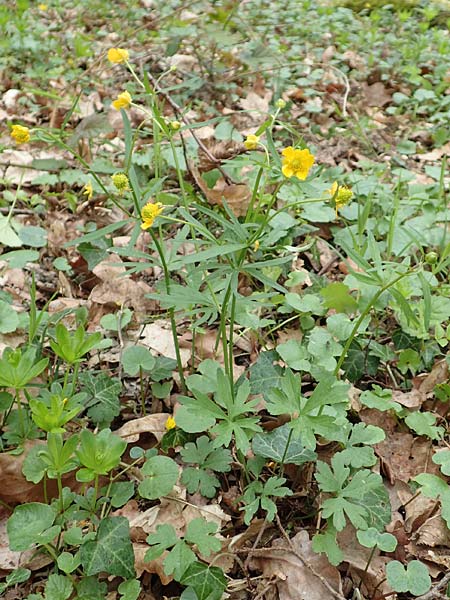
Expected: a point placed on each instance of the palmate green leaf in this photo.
(111, 552)
(374, 498)
(100, 453)
(380, 398)
(332, 479)
(200, 533)
(442, 458)
(338, 508)
(135, 358)
(433, 486)
(17, 370)
(283, 446)
(160, 475)
(259, 493)
(199, 480)
(204, 453)
(58, 587)
(209, 583)
(163, 538)
(325, 542)
(178, 560)
(424, 424)
(360, 433)
(30, 524)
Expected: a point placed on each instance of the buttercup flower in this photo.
(20, 134)
(121, 182)
(341, 195)
(123, 101)
(149, 213)
(118, 55)
(251, 143)
(296, 163)
(170, 423)
(88, 191)
(280, 103)
(42, 6)
(175, 125)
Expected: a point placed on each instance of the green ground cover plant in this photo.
(252, 253)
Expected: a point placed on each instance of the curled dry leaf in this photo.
(295, 581)
(154, 424)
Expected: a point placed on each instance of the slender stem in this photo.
(60, 493)
(363, 316)
(285, 451)
(255, 193)
(173, 323)
(363, 575)
(94, 504)
(141, 380)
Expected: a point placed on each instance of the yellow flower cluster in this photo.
(20, 134)
(88, 190)
(121, 182)
(341, 194)
(296, 163)
(123, 100)
(118, 55)
(251, 142)
(149, 213)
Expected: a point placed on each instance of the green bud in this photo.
(431, 258)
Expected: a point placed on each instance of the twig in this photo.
(306, 563)
(435, 591)
(256, 543)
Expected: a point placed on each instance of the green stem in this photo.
(363, 316)
(254, 194)
(173, 323)
(94, 504)
(141, 380)
(60, 493)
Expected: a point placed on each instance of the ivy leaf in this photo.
(201, 533)
(102, 396)
(209, 583)
(111, 551)
(282, 446)
(264, 375)
(129, 590)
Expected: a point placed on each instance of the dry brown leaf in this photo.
(157, 336)
(357, 557)
(257, 106)
(154, 424)
(434, 532)
(236, 195)
(405, 456)
(295, 581)
(435, 154)
(411, 399)
(153, 566)
(376, 94)
(438, 374)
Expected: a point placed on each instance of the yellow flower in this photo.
(88, 191)
(256, 246)
(118, 55)
(175, 125)
(149, 213)
(296, 163)
(341, 195)
(123, 101)
(170, 423)
(42, 6)
(251, 143)
(20, 134)
(121, 182)
(280, 103)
